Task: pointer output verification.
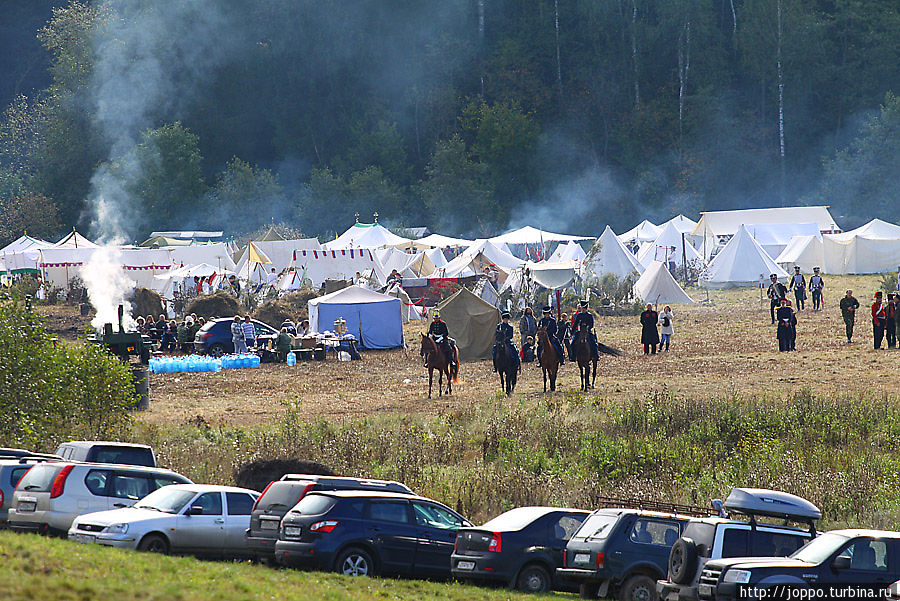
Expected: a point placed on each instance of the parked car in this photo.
(7, 453)
(214, 338)
(622, 550)
(11, 471)
(866, 562)
(710, 538)
(520, 548)
(99, 451)
(194, 519)
(50, 496)
(361, 533)
(280, 496)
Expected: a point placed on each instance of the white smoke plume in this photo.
(107, 286)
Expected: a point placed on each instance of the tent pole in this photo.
(684, 258)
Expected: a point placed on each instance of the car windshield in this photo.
(514, 519)
(598, 525)
(166, 499)
(821, 548)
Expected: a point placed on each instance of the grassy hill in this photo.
(41, 569)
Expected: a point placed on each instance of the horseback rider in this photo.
(441, 334)
(504, 335)
(548, 322)
(584, 320)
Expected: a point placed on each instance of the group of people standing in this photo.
(781, 310)
(651, 337)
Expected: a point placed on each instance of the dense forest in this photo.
(468, 116)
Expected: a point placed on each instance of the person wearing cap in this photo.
(441, 334)
(879, 317)
(504, 335)
(816, 285)
(798, 285)
(527, 325)
(549, 323)
(890, 322)
(777, 291)
(785, 331)
(849, 306)
(649, 333)
(584, 320)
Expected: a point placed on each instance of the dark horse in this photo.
(581, 348)
(506, 366)
(550, 361)
(436, 359)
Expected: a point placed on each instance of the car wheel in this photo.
(533, 579)
(589, 590)
(355, 562)
(154, 543)
(217, 350)
(639, 588)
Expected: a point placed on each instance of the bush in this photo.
(218, 304)
(51, 393)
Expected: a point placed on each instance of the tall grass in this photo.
(839, 452)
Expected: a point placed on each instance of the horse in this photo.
(506, 367)
(549, 360)
(436, 359)
(581, 348)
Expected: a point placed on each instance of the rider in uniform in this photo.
(441, 334)
(584, 320)
(504, 335)
(549, 323)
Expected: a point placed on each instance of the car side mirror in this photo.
(195, 510)
(841, 562)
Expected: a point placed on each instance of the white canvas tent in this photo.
(434, 241)
(373, 318)
(179, 279)
(774, 237)
(320, 265)
(742, 262)
(570, 251)
(365, 235)
(871, 248)
(669, 246)
(74, 240)
(21, 255)
(656, 285)
(531, 235)
(417, 265)
(280, 252)
(805, 251)
(216, 254)
(681, 223)
(642, 232)
(609, 255)
(408, 310)
(59, 266)
(473, 260)
(437, 257)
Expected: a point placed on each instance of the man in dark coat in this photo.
(849, 306)
(441, 334)
(504, 335)
(777, 291)
(890, 322)
(584, 320)
(785, 331)
(528, 325)
(649, 333)
(549, 323)
(879, 319)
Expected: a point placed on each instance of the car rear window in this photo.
(282, 494)
(16, 474)
(39, 478)
(314, 505)
(123, 455)
(701, 533)
(514, 519)
(597, 526)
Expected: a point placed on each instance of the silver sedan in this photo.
(196, 519)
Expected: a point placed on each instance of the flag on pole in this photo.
(257, 256)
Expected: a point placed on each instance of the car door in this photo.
(436, 537)
(646, 540)
(125, 489)
(393, 531)
(97, 483)
(237, 521)
(871, 564)
(203, 533)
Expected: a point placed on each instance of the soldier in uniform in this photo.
(785, 331)
(584, 320)
(441, 334)
(849, 305)
(798, 285)
(816, 285)
(549, 323)
(504, 335)
(564, 332)
(777, 291)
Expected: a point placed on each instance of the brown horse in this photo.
(436, 359)
(549, 359)
(582, 352)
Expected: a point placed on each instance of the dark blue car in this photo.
(360, 533)
(214, 338)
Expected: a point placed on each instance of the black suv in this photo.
(361, 533)
(705, 539)
(622, 550)
(845, 564)
(281, 495)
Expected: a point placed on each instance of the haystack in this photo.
(145, 301)
(219, 304)
(290, 306)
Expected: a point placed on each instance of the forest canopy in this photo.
(468, 116)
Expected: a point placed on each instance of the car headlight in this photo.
(737, 576)
(292, 531)
(117, 529)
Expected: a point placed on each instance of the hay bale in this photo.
(146, 302)
(256, 475)
(218, 304)
(290, 306)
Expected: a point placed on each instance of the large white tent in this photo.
(280, 252)
(806, 251)
(474, 259)
(408, 265)
(434, 241)
(681, 223)
(570, 251)
(216, 254)
(21, 255)
(373, 318)
(656, 285)
(316, 266)
(60, 265)
(669, 246)
(609, 255)
(532, 235)
(774, 237)
(871, 248)
(180, 279)
(742, 262)
(642, 232)
(365, 235)
(74, 240)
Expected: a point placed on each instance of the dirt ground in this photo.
(726, 346)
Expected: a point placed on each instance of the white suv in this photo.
(51, 495)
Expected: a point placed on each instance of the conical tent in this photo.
(568, 252)
(658, 286)
(609, 255)
(669, 246)
(642, 232)
(805, 251)
(75, 240)
(365, 235)
(681, 223)
(270, 236)
(742, 262)
(472, 322)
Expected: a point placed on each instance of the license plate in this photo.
(705, 590)
(26, 506)
(582, 558)
(84, 538)
(268, 524)
(465, 565)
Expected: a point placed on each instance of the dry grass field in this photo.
(721, 347)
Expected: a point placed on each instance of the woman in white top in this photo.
(666, 327)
